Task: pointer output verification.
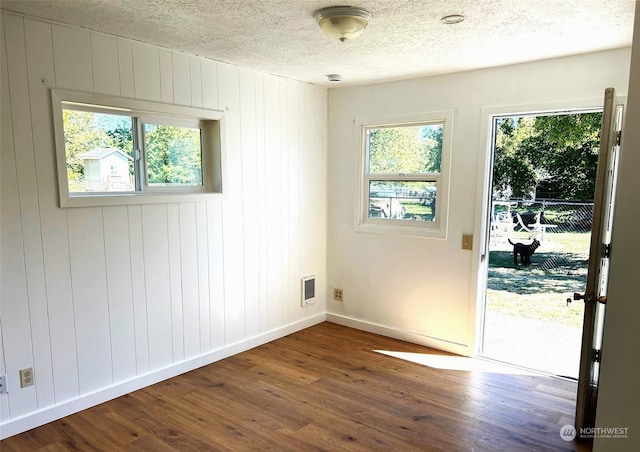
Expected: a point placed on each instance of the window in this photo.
(405, 175)
(124, 151)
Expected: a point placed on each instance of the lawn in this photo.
(558, 269)
(414, 208)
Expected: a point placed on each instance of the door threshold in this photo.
(542, 373)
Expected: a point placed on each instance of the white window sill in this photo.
(92, 200)
(396, 227)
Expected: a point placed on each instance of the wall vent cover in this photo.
(308, 290)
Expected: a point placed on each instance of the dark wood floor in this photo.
(324, 388)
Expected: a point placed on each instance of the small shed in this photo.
(107, 169)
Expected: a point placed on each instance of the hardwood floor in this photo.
(324, 388)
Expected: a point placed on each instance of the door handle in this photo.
(576, 296)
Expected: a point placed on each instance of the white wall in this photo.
(100, 301)
(619, 395)
(425, 289)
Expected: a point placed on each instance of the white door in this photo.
(595, 296)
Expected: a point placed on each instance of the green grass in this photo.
(540, 291)
(415, 208)
(537, 307)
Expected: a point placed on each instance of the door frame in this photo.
(478, 283)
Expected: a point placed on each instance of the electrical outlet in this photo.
(3, 384)
(26, 377)
(337, 294)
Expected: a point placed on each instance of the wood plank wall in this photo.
(95, 296)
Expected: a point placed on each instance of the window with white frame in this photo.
(405, 175)
(122, 151)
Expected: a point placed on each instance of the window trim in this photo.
(213, 130)
(436, 229)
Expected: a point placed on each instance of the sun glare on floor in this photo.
(448, 362)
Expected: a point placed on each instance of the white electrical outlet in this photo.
(26, 377)
(338, 295)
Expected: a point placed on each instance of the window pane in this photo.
(174, 155)
(405, 149)
(98, 148)
(402, 200)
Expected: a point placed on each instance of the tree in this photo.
(432, 146)
(405, 149)
(174, 155)
(514, 172)
(558, 151)
(568, 146)
(121, 135)
(81, 135)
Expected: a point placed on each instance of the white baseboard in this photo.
(46, 415)
(403, 335)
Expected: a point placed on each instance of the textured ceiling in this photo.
(404, 39)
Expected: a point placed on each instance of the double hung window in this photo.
(405, 175)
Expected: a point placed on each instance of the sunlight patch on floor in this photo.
(462, 363)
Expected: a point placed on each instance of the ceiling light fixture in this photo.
(342, 22)
(452, 19)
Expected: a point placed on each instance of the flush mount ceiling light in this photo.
(342, 22)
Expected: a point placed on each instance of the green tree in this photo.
(174, 155)
(406, 149)
(557, 151)
(432, 147)
(121, 135)
(514, 172)
(81, 135)
(568, 146)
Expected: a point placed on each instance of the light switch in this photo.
(467, 242)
